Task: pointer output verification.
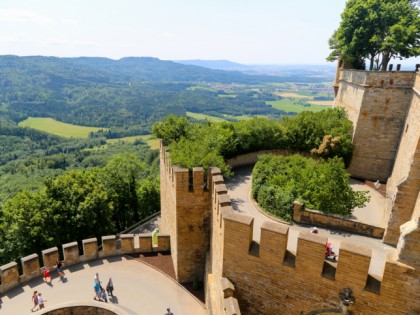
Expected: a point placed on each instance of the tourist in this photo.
(102, 296)
(168, 312)
(110, 287)
(47, 276)
(97, 289)
(96, 279)
(41, 301)
(59, 266)
(35, 300)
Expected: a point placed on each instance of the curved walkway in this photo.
(139, 289)
(239, 190)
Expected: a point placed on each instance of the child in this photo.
(103, 296)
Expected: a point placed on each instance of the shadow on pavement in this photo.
(114, 259)
(75, 268)
(95, 263)
(240, 176)
(14, 292)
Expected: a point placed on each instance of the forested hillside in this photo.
(126, 95)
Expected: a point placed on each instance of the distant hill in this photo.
(304, 71)
(128, 94)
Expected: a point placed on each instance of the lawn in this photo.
(289, 105)
(58, 128)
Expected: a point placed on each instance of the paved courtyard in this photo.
(139, 289)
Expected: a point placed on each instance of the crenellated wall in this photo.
(31, 266)
(185, 215)
(377, 103)
(264, 278)
(270, 280)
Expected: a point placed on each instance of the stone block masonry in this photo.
(377, 103)
(185, 211)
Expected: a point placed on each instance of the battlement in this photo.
(269, 279)
(9, 273)
(185, 215)
(182, 179)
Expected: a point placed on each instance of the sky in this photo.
(243, 31)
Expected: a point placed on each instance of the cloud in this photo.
(23, 38)
(14, 15)
(69, 21)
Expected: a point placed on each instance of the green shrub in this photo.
(319, 184)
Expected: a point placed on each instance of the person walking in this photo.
(168, 312)
(103, 297)
(41, 301)
(59, 266)
(34, 300)
(97, 289)
(47, 276)
(110, 287)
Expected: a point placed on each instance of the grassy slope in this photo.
(58, 128)
(288, 105)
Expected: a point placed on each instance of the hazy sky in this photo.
(244, 31)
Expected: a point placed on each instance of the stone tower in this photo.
(185, 215)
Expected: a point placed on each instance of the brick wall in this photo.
(377, 104)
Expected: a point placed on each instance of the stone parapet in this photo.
(30, 267)
(9, 273)
(71, 253)
(317, 218)
(50, 257)
(127, 243)
(109, 245)
(90, 249)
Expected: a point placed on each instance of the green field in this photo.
(289, 105)
(204, 117)
(199, 87)
(58, 128)
(149, 139)
(227, 95)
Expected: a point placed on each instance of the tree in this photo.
(121, 177)
(377, 30)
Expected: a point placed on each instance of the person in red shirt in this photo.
(47, 276)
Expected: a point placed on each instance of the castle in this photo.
(211, 241)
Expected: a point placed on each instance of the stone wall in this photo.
(270, 280)
(31, 267)
(219, 290)
(185, 211)
(403, 186)
(317, 218)
(377, 103)
(83, 308)
(267, 279)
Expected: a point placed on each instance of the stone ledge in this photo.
(80, 308)
(275, 227)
